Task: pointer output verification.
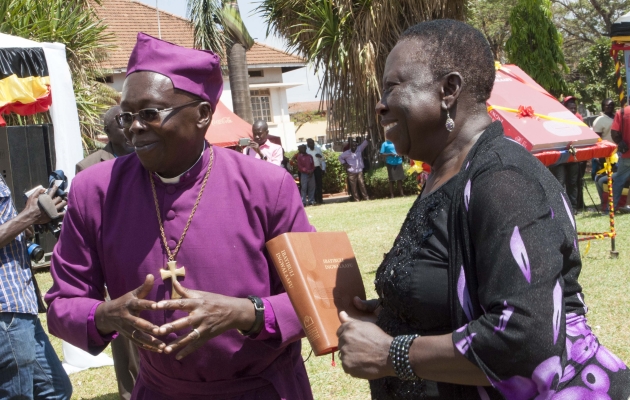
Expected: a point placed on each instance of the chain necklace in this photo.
(172, 271)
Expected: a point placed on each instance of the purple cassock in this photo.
(111, 237)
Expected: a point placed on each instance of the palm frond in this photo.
(348, 40)
(207, 18)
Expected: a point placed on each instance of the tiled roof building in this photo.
(125, 18)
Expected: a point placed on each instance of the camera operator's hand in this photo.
(36, 214)
(29, 232)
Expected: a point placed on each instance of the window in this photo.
(256, 73)
(261, 109)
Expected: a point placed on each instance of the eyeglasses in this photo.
(147, 115)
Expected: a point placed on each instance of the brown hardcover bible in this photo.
(321, 276)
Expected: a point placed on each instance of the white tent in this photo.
(68, 151)
(63, 110)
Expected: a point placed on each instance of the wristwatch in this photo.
(259, 308)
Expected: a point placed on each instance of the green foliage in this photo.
(73, 23)
(594, 78)
(536, 46)
(206, 17)
(491, 17)
(334, 180)
(377, 183)
(583, 22)
(348, 41)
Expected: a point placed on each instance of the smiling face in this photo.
(172, 144)
(410, 106)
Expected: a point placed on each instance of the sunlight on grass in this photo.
(372, 227)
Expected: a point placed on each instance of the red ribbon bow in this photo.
(525, 112)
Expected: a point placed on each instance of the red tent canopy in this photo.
(227, 128)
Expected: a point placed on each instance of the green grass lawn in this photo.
(372, 227)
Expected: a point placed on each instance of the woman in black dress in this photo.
(478, 298)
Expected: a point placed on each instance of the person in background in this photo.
(117, 145)
(29, 366)
(306, 166)
(261, 147)
(601, 126)
(352, 161)
(316, 152)
(395, 171)
(569, 174)
(125, 354)
(620, 132)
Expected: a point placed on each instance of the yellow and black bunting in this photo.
(24, 81)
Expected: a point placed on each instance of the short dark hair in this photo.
(606, 101)
(454, 46)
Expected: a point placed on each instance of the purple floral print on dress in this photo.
(520, 254)
(597, 385)
(464, 344)
(569, 212)
(608, 360)
(464, 296)
(557, 311)
(538, 387)
(467, 194)
(505, 317)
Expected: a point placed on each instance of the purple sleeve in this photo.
(342, 157)
(520, 248)
(78, 284)
(95, 339)
(282, 325)
(362, 146)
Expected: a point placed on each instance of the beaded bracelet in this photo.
(399, 353)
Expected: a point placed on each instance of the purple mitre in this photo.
(194, 71)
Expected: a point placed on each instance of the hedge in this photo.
(376, 180)
(377, 183)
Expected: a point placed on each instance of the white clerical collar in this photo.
(176, 179)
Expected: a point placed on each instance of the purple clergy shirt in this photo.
(111, 237)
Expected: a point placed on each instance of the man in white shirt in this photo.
(601, 126)
(316, 152)
(261, 147)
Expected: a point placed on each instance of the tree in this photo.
(218, 26)
(583, 22)
(536, 46)
(491, 17)
(349, 41)
(73, 23)
(594, 78)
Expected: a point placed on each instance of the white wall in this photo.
(119, 79)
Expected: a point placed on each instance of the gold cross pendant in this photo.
(173, 272)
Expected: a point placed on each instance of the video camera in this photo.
(45, 202)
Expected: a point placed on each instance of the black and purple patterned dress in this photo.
(492, 257)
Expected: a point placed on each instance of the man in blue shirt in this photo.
(395, 171)
(29, 367)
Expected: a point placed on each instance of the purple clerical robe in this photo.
(111, 237)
